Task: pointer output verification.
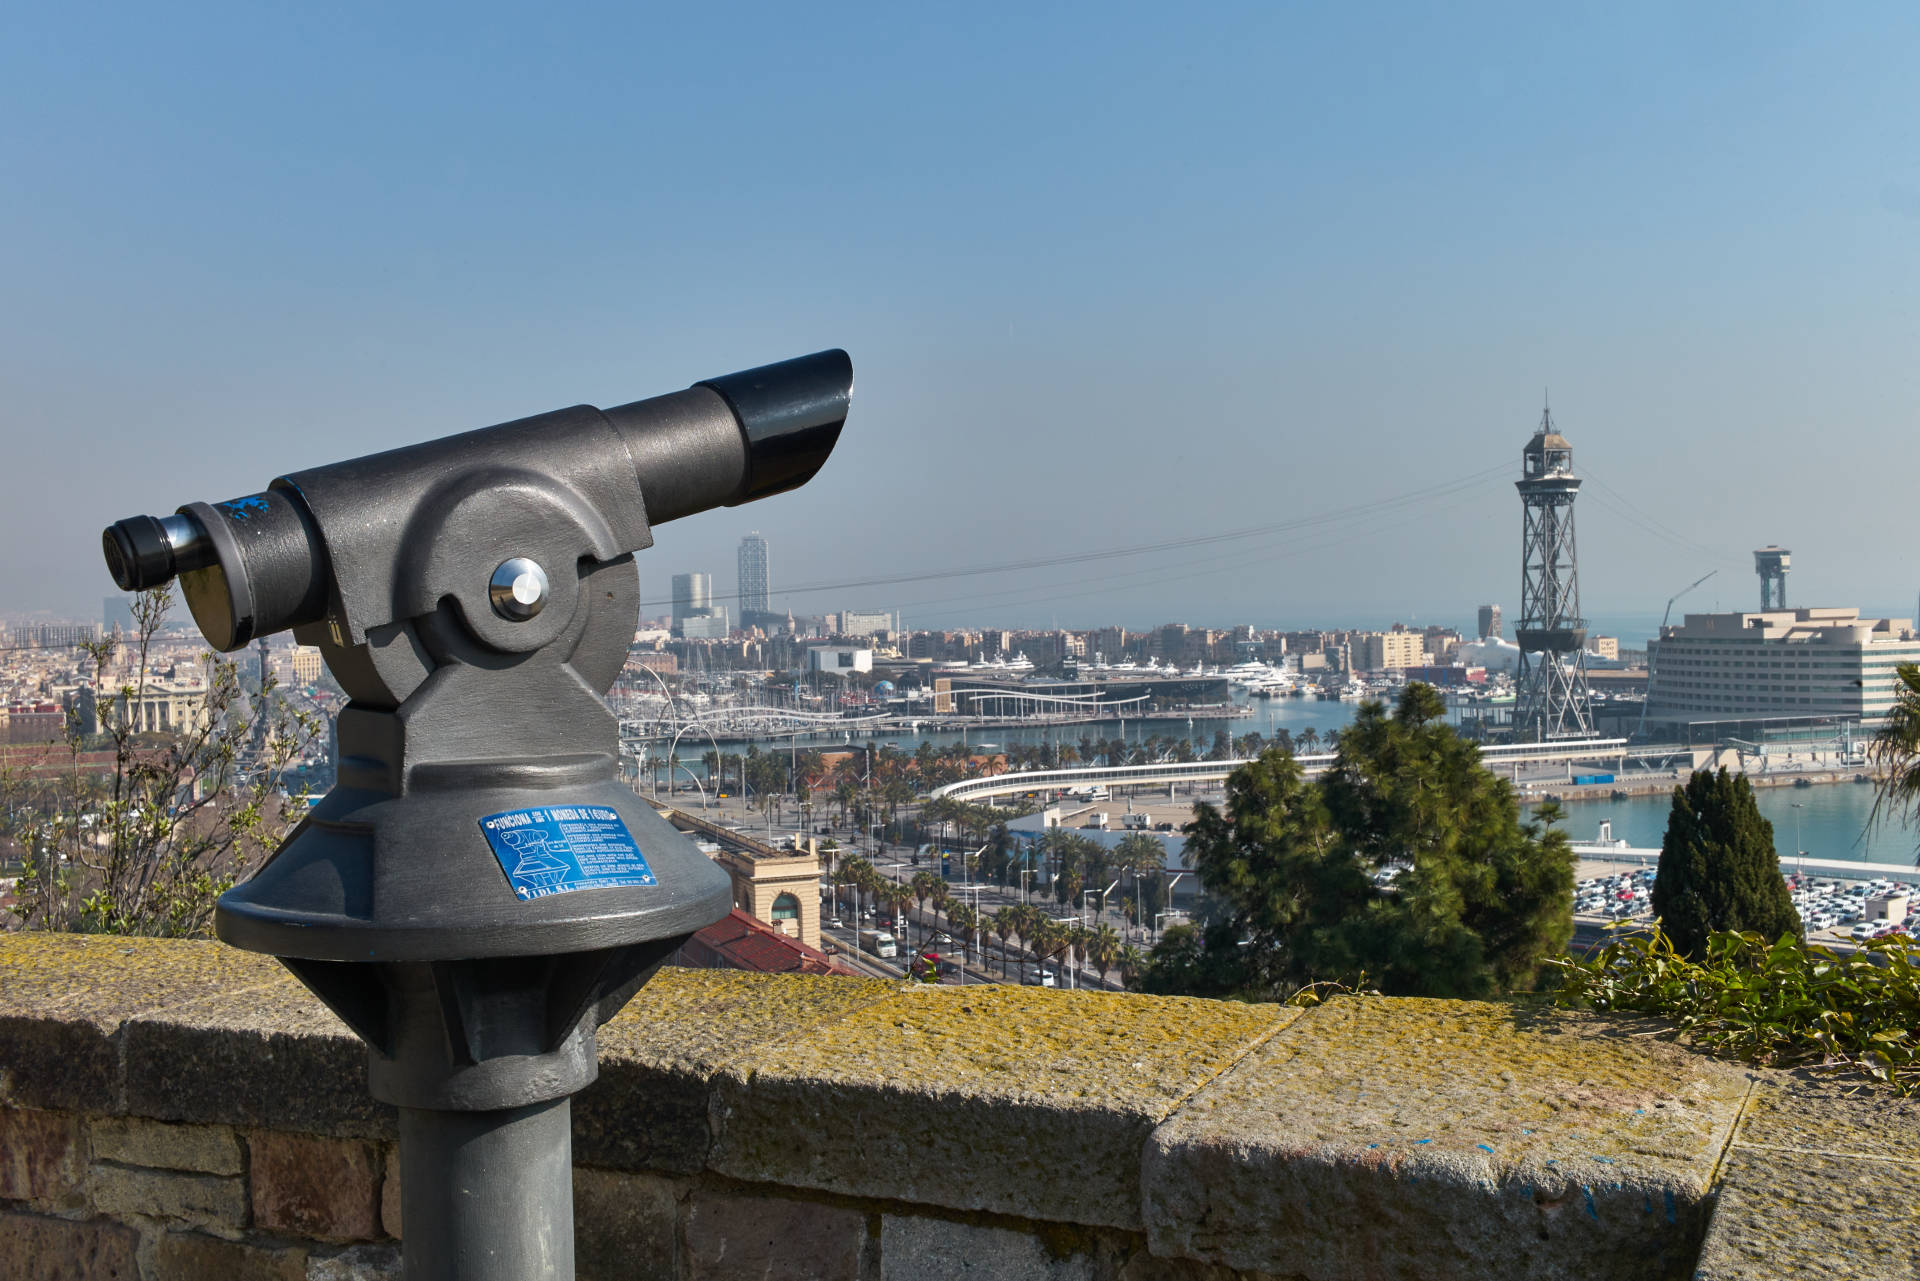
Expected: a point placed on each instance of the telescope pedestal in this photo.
(487, 1196)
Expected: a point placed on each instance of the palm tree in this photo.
(1043, 939)
(923, 883)
(1895, 751)
(1006, 923)
(1131, 961)
(1103, 949)
(900, 898)
(1079, 939)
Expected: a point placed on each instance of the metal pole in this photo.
(488, 1195)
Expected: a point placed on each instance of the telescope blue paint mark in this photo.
(242, 508)
(558, 849)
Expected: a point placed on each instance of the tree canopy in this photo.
(1473, 903)
(1718, 867)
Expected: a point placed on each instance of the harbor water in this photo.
(1832, 816)
(1832, 823)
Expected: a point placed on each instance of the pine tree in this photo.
(1718, 866)
(1483, 899)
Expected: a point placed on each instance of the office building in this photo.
(756, 584)
(857, 623)
(52, 635)
(705, 624)
(691, 592)
(1789, 663)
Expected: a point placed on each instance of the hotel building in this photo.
(1829, 664)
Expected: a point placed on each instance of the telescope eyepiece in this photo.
(144, 552)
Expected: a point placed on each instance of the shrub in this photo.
(1783, 1004)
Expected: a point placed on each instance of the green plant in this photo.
(149, 819)
(1895, 751)
(1784, 1004)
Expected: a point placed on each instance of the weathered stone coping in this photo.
(1127, 1135)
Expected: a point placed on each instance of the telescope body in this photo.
(480, 891)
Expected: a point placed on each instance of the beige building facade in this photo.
(308, 666)
(1778, 663)
(781, 889)
(1387, 651)
(162, 708)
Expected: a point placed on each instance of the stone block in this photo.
(1840, 1117)
(390, 1191)
(1018, 1101)
(625, 1225)
(41, 1159)
(65, 997)
(203, 1149)
(913, 1248)
(1141, 1265)
(731, 1235)
(1808, 1215)
(1394, 1138)
(649, 1108)
(190, 1256)
(272, 1056)
(360, 1263)
(206, 1201)
(307, 1186)
(33, 1248)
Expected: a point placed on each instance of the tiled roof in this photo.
(740, 942)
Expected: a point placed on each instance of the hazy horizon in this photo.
(1111, 278)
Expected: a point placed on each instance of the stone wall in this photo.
(175, 1110)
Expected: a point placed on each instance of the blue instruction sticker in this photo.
(561, 848)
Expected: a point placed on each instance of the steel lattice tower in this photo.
(1551, 634)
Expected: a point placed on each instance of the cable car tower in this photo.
(1552, 635)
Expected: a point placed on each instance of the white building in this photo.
(1492, 653)
(839, 659)
(1778, 663)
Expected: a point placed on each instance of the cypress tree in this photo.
(1718, 867)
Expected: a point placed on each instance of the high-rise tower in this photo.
(1772, 564)
(692, 593)
(756, 583)
(1551, 634)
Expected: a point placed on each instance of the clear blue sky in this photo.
(1110, 274)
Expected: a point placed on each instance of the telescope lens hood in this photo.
(791, 414)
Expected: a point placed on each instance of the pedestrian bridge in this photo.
(1501, 757)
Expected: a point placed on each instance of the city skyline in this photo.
(1307, 263)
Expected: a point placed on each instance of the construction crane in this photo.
(1644, 703)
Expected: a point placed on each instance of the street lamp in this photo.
(1799, 851)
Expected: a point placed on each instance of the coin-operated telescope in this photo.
(479, 892)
